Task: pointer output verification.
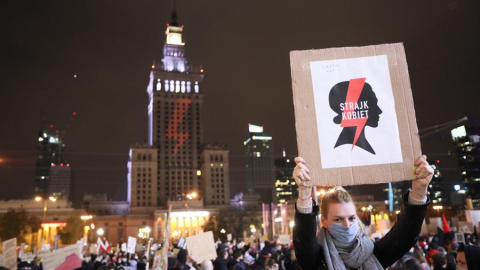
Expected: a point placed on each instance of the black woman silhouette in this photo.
(356, 106)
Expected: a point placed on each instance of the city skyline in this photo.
(93, 58)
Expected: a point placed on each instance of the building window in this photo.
(188, 87)
(196, 87)
(166, 85)
(183, 87)
(159, 85)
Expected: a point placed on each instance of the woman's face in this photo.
(340, 213)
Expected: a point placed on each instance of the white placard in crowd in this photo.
(201, 247)
(284, 239)
(10, 254)
(132, 242)
(229, 237)
(27, 257)
(182, 243)
(460, 238)
(66, 258)
(124, 247)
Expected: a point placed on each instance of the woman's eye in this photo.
(352, 218)
(336, 220)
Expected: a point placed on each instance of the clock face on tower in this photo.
(174, 38)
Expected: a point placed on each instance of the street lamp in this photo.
(223, 231)
(100, 231)
(192, 195)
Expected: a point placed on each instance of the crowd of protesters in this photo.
(438, 252)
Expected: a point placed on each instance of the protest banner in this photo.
(27, 257)
(182, 243)
(132, 242)
(460, 238)
(10, 253)
(201, 247)
(66, 258)
(354, 112)
(284, 239)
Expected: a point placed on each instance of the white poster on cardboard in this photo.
(355, 112)
(66, 258)
(10, 253)
(132, 242)
(201, 247)
(284, 239)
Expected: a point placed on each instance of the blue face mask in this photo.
(344, 234)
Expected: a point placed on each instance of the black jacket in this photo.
(389, 249)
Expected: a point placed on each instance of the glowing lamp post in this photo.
(100, 232)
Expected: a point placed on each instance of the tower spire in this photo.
(173, 21)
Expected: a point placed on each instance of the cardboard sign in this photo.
(460, 238)
(132, 242)
(201, 247)
(284, 239)
(182, 243)
(66, 258)
(10, 253)
(354, 113)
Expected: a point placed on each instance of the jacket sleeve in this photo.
(403, 235)
(305, 242)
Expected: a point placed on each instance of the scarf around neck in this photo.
(356, 255)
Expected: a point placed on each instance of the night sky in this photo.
(243, 47)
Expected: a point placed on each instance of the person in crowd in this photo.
(238, 261)
(342, 242)
(221, 262)
(206, 265)
(418, 255)
(439, 261)
(407, 262)
(142, 264)
(271, 264)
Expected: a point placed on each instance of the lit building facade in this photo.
(142, 176)
(215, 175)
(175, 118)
(52, 172)
(285, 186)
(260, 164)
(467, 141)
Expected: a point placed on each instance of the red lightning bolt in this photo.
(355, 88)
(180, 109)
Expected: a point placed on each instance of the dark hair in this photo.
(439, 259)
(237, 254)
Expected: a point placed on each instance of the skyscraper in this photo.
(174, 120)
(285, 186)
(467, 141)
(215, 175)
(260, 165)
(52, 172)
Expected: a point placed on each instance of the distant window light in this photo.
(188, 87)
(166, 85)
(196, 87)
(159, 85)
(183, 87)
(177, 88)
(172, 86)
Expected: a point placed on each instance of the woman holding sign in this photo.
(342, 242)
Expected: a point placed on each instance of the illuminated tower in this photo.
(175, 118)
(467, 141)
(285, 186)
(52, 173)
(260, 165)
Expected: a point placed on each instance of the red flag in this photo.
(446, 228)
